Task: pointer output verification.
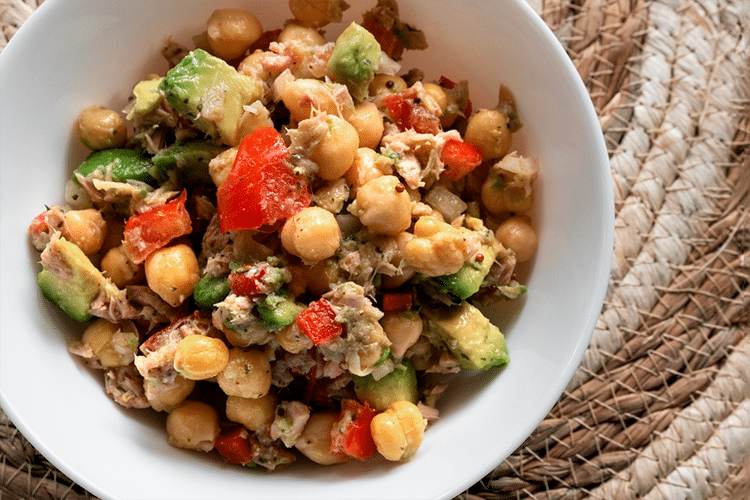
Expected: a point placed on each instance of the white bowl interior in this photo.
(80, 52)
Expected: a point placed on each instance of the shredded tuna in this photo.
(125, 386)
(289, 421)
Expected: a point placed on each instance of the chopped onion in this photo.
(447, 203)
(76, 197)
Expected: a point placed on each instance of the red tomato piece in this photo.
(147, 232)
(397, 302)
(39, 224)
(459, 158)
(261, 189)
(235, 447)
(407, 115)
(319, 323)
(351, 435)
(247, 284)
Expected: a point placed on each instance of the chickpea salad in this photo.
(282, 238)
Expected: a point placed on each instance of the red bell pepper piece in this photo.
(351, 434)
(39, 223)
(247, 284)
(397, 302)
(319, 323)
(450, 84)
(235, 447)
(459, 158)
(147, 232)
(407, 115)
(261, 189)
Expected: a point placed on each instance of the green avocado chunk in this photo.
(210, 93)
(466, 282)
(210, 290)
(124, 165)
(474, 341)
(70, 280)
(399, 385)
(278, 310)
(354, 59)
(188, 160)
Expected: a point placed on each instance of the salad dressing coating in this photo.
(295, 236)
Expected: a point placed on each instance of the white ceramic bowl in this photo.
(74, 53)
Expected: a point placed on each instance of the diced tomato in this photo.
(397, 302)
(158, 339)
(459, 158)
(407, 115)
(261, 189)
(247, 284)
(39, 224)
(319, 323)
(389, 41)
(351, 434)
(235, 447)
(449, 85)
(147, 232)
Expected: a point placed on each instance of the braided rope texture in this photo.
(660, 406)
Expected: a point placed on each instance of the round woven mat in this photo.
(660, 406)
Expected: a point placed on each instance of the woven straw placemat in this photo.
(660, 406)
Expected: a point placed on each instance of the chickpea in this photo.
(118, 267)
(291, 339)
(166, 396)
(438, 94)
(384, 206)
(193, 425)
(172, 272)
(335, 153)
(365, 167)
(315, 440)
(312, 234)
(252, 65)
(398, 431)
(253, 413)
(438, 248)
(101, 128)
(231, 32)
(488, 130)
(247, 374)
(317, 13)
(382, 85)
(402, 330)
(305, 36)
(517, 234)
(111, 344)
(86, 228)
(303, 95)
(198, 357)
(368, 123)
(407, 272)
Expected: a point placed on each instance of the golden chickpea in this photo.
(335, 153)
(101, 128)
(198, 357)
(193, 425)
(368, 123)
(517, 234)
(398, 431)
(382, 85)
(291, 339)
(166, 396)
(315, 440)
(365, 168)
(488, 130)
(112, 344)
(402, 330)
(302, 35)
(438, 94)
(384, 206)
(317, 13)
(313, 234)
(252, 65)
(220, 166)
(86, 228)
(231, 32)
(253, 413)
(172, 272)
(247, 374)
(303, 95)
(118, 267)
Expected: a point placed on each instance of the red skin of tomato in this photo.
(147, 232)
(319, 323)
(356, 438)
(407, 115)
(235, 447)
(247, 285)
(261, 188)
(459, 158)
(397, 302)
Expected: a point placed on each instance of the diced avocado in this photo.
(466, 282)
(210, 93)
(124, 165)
(278, 310)
(399, 385)
(70, 280)
(147, 97)
(210, 290)
(354, 59)
(470, 337)
(188, 160)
